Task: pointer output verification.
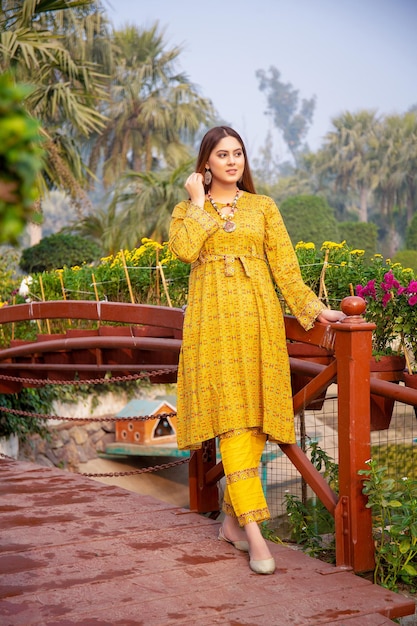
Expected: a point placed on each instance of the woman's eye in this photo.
(222, 155)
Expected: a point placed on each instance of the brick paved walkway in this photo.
(77, 552)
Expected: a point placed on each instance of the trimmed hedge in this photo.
(360, 235)
(407, 258)
(309, 218)
(58, 251)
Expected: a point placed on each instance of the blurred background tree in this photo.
(121, 123)
(21, 163)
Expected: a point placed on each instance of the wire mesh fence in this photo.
(395, 448)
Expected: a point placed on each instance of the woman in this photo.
(234, 377)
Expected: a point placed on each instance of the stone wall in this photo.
(73, 441)
(69, 444)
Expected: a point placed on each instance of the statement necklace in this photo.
(229, 225)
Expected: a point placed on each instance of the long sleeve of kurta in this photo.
(302, 301)
(190, 227)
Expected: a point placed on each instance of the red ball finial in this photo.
(353, 305)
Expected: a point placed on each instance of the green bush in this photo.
(58, 251)
(20, 161)
(28, 400)
(360, 235)
(407, 258)
(309, 218)
(394, 516)
(9, 281)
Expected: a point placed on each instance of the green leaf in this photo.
(405, 546)
(409, 569)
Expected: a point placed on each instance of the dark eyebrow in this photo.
(235, 150)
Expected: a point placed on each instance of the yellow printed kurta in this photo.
(234, 368)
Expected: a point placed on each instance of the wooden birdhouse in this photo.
(152, 432)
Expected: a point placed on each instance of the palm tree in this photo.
(349, 155)
(51, 44)
(150, 198)
(153, 110)
(141, 206)
(409, 160)
(396, 189)
(106, 226)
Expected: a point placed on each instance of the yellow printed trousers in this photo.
(241, 452)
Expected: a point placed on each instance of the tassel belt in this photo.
(229, 261)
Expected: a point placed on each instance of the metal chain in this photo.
(144, 470)
(96, 381)
(42, 382)
(44, 416)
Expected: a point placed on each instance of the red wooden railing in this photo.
(150, 340)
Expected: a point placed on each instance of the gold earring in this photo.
(207, 177)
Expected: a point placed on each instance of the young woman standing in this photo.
(234, 376)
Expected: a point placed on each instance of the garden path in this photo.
(76, 551)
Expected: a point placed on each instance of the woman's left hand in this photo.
(330, 315)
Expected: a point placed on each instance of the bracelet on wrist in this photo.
(196, 206)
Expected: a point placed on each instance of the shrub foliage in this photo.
(309, 218)
(58, 251)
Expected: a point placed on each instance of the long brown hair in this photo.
(210, 141)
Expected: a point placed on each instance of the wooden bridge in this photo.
(147, 339)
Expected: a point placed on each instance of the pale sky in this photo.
(350, 54)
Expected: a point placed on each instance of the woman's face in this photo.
(227, 161)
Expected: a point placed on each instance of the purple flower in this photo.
(386, 298)
(413, 300)
(368, 290)
(390, 282)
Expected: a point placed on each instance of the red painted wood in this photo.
(88, 342)
(312, 476)
(324, 376)
(121, 312)
(153, 340)
(353, 347)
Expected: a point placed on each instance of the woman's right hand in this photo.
(195, 187)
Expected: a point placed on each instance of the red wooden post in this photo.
(204, 494)
(353, 350)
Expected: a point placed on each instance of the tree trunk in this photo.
(363, 209)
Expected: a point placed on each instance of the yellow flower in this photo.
(358, 252)
(106, 259)
(301, 245)
(332, 245)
